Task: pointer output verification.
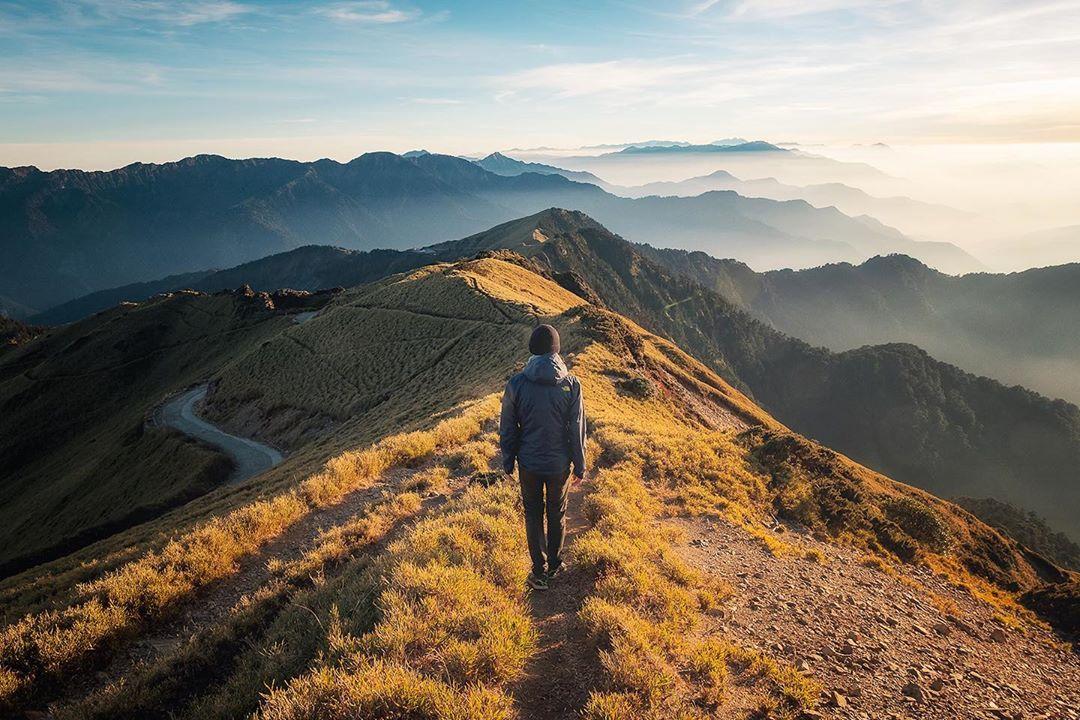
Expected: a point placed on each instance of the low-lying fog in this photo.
(1020, 203)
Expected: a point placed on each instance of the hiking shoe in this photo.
(536, 582)
(557, 570)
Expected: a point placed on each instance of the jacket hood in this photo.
(546, 369)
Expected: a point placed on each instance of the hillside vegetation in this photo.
(981, 322)
(386, 580)
(893, 407)
(77, 461)
(1026, 528)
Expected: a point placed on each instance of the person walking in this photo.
(542, 430)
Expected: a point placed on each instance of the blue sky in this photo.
(103, 82)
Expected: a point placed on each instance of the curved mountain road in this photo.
(251, 457)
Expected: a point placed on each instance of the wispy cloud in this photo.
(369, 12)
(435, 101)
(184, 13)
(612, 76)
(677, 81)
(780, 9)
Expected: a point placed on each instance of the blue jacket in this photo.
(542, 425)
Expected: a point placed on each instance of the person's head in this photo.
(544, 340)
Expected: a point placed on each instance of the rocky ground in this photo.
(883, 645)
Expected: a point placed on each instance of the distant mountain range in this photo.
(754, 146)
(913, 216)
(69, 232)
(637, 164)
(1018, 327)
(891, 406)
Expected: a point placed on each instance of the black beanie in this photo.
(544, 340)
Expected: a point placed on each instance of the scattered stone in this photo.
(998, 635)
(914, 691)
(837, 700)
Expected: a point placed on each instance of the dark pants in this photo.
(533, 487)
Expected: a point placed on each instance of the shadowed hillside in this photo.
(1019, 328)
(381, 574)
(312, 267)
(77, 461)
(1026, 527)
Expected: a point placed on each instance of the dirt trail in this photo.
(876, 641)
(561, 674)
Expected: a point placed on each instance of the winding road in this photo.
(251, 457)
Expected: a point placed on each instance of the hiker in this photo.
(542, 428)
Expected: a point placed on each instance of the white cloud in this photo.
(668, 81)
(370, 12)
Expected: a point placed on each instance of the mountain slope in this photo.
(500, 164)
(69, 233)
(311, 267)
(893, 407)
(78, 462)
(1020, 328)
(387, 576)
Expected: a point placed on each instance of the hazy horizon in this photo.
(96, 84)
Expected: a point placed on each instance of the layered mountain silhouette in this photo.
(744, 147)
(922, 219)
(1015, 327)
(70, 232)
(501, 164)
(891, 406)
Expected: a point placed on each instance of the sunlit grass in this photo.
(48, 644)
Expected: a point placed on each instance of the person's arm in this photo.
(509, 430)
(577, 431)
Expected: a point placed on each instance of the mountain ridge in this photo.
(73, 232)
(791, 378)
(344, 577)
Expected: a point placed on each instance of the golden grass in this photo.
(437, 626)
(453, 628)
(43, 646)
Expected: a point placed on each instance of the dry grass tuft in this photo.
(453, 629)
(44, 646)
